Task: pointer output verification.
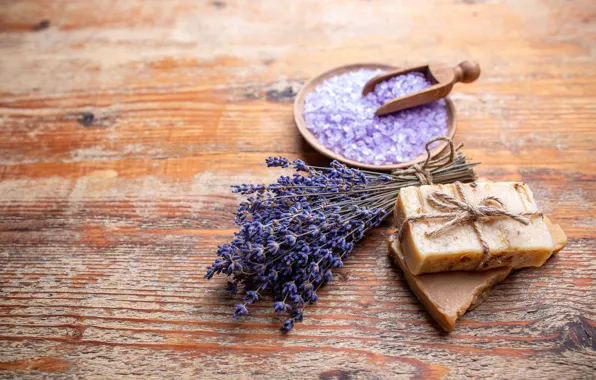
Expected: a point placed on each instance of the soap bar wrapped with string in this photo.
(294, 232)
(471, 227)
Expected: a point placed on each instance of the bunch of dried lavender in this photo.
(293, 233)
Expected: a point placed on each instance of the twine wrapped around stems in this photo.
(463, 211)
(424, 172)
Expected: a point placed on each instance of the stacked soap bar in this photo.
(510, 243)
(443, 270)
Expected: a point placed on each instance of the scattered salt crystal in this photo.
(344, 121)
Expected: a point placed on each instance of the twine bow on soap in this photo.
(463, 211)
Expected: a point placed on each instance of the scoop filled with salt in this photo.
(441, 78)
(339, 122)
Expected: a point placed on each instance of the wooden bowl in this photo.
(312, 140)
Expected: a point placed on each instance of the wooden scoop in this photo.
(442, 79)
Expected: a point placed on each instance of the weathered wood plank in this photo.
(124, 124)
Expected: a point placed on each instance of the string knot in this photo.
(424, 173)
(424, 176)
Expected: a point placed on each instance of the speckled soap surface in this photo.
(459, 248)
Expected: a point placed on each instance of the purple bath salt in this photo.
(343, 120)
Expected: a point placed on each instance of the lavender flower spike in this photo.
(294, 232)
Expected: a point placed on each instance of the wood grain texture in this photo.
(124, 122)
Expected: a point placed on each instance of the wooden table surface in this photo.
(125, 122)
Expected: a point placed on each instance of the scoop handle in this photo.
(466, 72)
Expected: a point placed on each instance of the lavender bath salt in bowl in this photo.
(334, 117)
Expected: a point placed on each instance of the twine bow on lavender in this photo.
(424, 173)
(463, 211)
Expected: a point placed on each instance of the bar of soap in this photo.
(511, 244)
(557, 234)
(448, 295)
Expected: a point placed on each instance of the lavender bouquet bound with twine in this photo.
(293, 233)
